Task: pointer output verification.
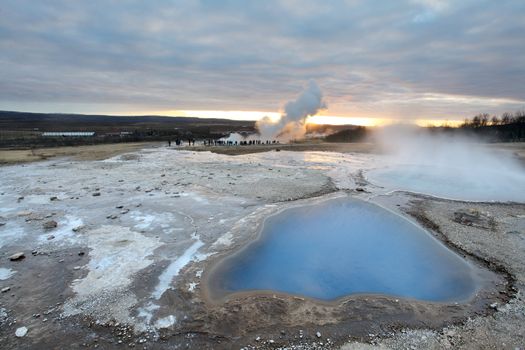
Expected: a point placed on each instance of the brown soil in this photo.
(95, 152)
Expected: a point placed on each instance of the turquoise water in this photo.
(341, 247)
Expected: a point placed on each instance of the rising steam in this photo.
(447, 165)
(292, 124)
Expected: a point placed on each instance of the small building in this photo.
(68, 134)
(119, 133)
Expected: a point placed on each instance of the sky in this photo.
(374, 61)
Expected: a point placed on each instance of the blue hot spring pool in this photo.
(342, 247)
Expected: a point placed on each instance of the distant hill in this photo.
(353, 134)
(327, 129)
(24, 130)
(53, 121)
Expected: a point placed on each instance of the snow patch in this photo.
(6, 273)
(165, 322)
(39, 198)
(224, 240)
(10, 233)
(64, 232)
(146, 312)
(147, 221)
(192, 286)
(116, 254)
(195, 197)
(144, 221)
(5, 209)
(174, 268)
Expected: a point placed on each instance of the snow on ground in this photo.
(159, 212)
(117, 252)
(10, 233)
(64, 234)
(6, 273)
(167, 276)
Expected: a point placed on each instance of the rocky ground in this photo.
(114, 253)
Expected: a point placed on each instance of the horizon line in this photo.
(254, 116)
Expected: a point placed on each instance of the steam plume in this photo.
(292, 122)
(449, 165)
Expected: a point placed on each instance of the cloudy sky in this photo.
(408, 60)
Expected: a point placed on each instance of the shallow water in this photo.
(489, 185)
(341, 247)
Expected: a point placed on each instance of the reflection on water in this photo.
(341, 247)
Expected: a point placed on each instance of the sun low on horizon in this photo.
(428, 62)
(318, 119)
(423, 62)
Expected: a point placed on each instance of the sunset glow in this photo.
(342, 120)
(173, 59)
(274, 116)
(235, 115)
(316, 119)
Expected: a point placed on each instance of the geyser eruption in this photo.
(291, 125)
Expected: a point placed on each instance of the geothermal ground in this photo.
(115, 254)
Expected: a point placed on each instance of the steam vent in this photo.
(262, 175)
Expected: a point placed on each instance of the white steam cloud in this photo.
(292, 124)
(448, 166)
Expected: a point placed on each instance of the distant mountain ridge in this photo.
(30, 117)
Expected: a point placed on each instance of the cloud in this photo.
(434, 5)
(431, 9)
(371, 57)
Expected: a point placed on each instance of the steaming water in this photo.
(341, 247)
(494, 184)
(450, 166)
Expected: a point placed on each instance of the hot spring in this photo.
(488, 185)
(344, 247)
(447, 166)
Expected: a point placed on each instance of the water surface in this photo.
(341, 247)
(494, 184)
